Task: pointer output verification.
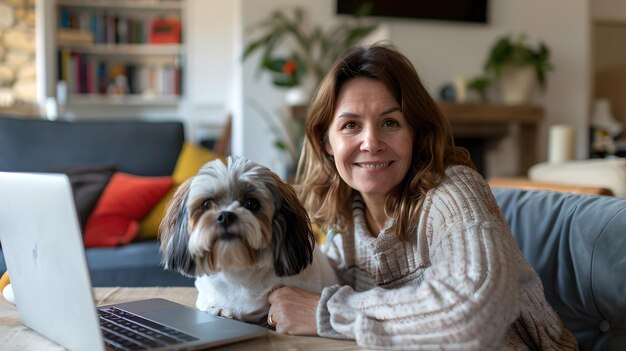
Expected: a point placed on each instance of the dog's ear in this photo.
(293, 240)
(174, 235)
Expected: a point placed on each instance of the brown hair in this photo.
(325, 195)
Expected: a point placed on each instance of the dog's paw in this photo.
(225, 313)
(221, 312)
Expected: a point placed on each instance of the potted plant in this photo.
(518, 68)
(297, 54)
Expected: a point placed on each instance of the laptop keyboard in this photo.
(123, 330)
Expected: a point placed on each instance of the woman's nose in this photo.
(372, 141)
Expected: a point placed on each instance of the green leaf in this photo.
(280, 145)
(365, 9)
(274, 65)
(479, 84)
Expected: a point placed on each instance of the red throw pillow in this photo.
(124, 202)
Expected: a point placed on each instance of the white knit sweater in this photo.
(459, 282)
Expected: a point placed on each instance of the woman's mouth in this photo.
(373, 165)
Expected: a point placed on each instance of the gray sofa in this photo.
(143, 148)
(577, 244)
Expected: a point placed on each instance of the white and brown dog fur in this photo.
(241, 232)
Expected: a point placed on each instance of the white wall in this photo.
(443, 50)
(209, 66)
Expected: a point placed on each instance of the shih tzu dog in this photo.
(241, 232)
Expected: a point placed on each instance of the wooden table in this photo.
(15, 336)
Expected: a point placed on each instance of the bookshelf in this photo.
(119, 52)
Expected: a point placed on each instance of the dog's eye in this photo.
(251, 204)
(206, 204)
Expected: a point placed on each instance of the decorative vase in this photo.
(517, 84)
(301, 94)
(297, 96)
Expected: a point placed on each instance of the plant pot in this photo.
(301, 94)
(517, 84)
(297, 95)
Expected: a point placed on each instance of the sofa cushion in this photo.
(191, 158)
(138, 264)
(88, 182)
(608, 173)
(148, 148)
(577, 245)
(125, 201)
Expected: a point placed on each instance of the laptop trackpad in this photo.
(180, 316)
(167, 312)
(202, 324)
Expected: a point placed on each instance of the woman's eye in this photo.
(390, 123)
(349, 125)
(251, 204)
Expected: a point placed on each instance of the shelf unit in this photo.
(125, 49)
(124, 4)
(119, 52)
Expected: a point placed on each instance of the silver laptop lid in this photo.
(53, 296)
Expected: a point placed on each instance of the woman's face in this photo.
(369, 138)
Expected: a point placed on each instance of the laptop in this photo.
(45, 256)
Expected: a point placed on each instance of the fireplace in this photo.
(477, 149)
(485, 128)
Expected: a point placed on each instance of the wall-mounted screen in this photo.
(445, 10)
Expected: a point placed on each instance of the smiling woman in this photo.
(410, 222)
(370, 141)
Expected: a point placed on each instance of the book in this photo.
(74, 36)
(165, 30)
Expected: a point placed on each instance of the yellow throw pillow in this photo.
(192, 157)
(320, 236)
(149, 225)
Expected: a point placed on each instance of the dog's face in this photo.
(233, 217)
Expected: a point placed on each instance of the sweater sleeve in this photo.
(468, 297)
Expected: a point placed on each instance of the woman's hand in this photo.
(293, 311)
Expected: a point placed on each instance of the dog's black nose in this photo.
(225, 218)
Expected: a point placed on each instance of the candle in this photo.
(460, 89)
(561, 143)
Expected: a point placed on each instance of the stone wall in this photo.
(18, 77)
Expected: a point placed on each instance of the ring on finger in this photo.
(270, 321)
